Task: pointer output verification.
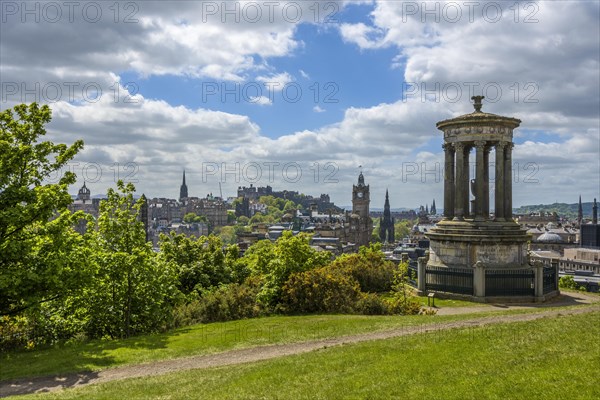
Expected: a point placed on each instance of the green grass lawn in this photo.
(551, 358)
(197, 339)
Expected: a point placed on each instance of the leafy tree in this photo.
(227, 234)
(231, 217)
(201, 263)
(272, 201)
(402, 229)
(133, 288)
(262, 218)
(289, 206)
(190, 218)
(41, 257)
(243, 220)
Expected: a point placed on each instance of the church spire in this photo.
(183, 190)
(386, 206)
(386, 225)
(580, 212)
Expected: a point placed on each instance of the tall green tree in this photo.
(40, 255)
(202, 263)
(133, 289)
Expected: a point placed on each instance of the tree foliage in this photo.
(202, 263)
(132, 288)
(40, 254)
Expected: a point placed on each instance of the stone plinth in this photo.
(461, 244)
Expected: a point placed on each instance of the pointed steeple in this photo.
(580, 212)
(386, 205)
(386, 223)
(183, 190)
(433, 209)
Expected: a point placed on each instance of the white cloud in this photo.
(275, 82)
(261, 101)
(318, 109)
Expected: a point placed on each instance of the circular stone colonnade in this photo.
(473, 253)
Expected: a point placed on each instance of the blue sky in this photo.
(353, 109)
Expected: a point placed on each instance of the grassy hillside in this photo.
(199, 339)
(544, 359)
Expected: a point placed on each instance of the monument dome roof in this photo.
(549, 237)
(478, 117)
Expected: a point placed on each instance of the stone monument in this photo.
(472, 250)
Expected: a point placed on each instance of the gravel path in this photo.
(53, 383)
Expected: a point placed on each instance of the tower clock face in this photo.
(360, 194)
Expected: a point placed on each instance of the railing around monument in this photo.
(515, 282)
(412, 273)
(550, 280)
(454, 280)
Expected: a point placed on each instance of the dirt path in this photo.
(52, 383)
(564, 299)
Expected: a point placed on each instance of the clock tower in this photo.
(361, 223)
(360, 197)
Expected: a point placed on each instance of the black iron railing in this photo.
(453, 280)
(550, 281)
(514, 282)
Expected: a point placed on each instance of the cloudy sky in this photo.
(299, 94)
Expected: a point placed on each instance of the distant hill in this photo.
(562, 209)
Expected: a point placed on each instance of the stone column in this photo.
(467, 182)
(486, 183)
(538, 283)
(448, 180)
(508, 182)
(499, 208)
(479, 280)
(479, 180)
(421, 274)
(460, 187)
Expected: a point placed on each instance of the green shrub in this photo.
(568, 282)
(229, 302)
(320, 290)
(372, 304)
(369, 267)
